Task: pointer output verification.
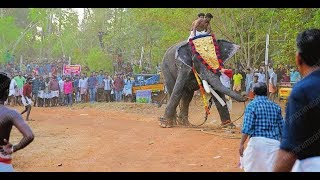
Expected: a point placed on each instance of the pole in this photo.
(266, 60)
(20, 62)
(141, 57)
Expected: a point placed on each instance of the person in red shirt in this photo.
(26, 98)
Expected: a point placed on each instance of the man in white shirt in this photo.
(262, 76)
(61, 94)
(12, 91)
(83, 86)
(273, 86)
(107, 87)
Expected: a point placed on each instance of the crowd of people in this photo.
(245, 80)
(66, 90)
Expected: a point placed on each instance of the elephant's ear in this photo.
(227, 49)
(181, 44)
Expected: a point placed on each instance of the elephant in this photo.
(181, 83)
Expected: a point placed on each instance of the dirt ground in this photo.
(126, 137)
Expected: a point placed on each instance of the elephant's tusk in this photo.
(206, 86)
(217, 96)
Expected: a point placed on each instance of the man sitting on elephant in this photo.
(202, 26)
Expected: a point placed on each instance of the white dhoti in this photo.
(198, 33)
(41, 94)
(19, 92)
(47, 95)
(13, 92)
(54, 94)
(260, 154)
(83, 91)
(26, 101)
(307, 165)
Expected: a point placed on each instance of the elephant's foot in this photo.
(183, 120)
(228, 124)
(165, 123)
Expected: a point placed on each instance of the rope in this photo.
(222, 31)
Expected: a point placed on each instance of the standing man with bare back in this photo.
(9, 118)
(202, 26)
(200, 16)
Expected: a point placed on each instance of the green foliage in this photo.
(97, 60)
(154, 29)
(9, 33)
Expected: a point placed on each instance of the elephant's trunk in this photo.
(214, 81)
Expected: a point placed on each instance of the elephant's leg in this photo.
(184, 106)
(175, 98)
(223, 110)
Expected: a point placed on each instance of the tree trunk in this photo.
(1, 12)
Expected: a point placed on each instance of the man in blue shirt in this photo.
(92, 85)
(294, 76)
(262, 123)
(300, 145)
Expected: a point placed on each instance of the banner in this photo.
(143, 96)
(68, 69)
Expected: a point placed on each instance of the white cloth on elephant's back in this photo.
(198, 33)
(307, 165)
(26, 101)
(260, 154)
(54, 94)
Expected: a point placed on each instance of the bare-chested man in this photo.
(26, 98)
(9, 118)
(200, 16)
(202, 26)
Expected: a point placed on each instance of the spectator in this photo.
(252, 84)
(299, 148)
(12, 92)
(67, 88)
(100, 88)
(262, 123)
(273, 86)
(294, 75)
(54, 89)
(20, 80)
(249, 79)
(237, 77)
(61, 94)
(83, 85)
(76, 89)
(35, 90)
(92, 85)
(107, 87)
(118, 86)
